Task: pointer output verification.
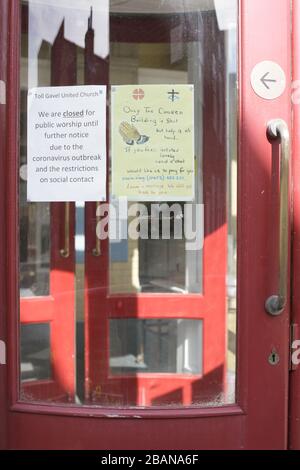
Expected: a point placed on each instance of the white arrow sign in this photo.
(268, 80)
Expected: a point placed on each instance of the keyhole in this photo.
(274, 358)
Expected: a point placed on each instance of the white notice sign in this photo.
(67, 144)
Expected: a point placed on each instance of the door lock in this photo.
(274, 358)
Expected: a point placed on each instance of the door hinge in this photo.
(294, 346)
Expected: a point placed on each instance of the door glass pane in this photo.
(34, 217)
(152, 319)
(35, 352)
(158, 346)
(160, 265)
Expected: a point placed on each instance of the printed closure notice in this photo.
(153, 156)
(66, 144)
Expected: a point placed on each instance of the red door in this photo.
(165, 367)
(294, 409)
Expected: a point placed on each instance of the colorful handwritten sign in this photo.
(153, 142)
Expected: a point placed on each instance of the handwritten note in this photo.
(153, 142)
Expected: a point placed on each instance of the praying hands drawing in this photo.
(131, 135)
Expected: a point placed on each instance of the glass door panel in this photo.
(133, 322)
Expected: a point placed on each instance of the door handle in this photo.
(278, 131)
(65, 252)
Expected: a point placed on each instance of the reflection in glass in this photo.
(159, 265)
(35, 352)
(151, 42)
(155, 346)
(34, 224)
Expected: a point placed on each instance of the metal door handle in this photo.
(65, 252)
(278, 130)
(97, 249)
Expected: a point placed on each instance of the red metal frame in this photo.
(260, 418)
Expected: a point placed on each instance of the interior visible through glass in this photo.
(157, 346)
(35, 352)
(121, 345)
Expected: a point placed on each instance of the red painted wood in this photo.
(294, 410)
(62, 280)
(96, 72)
(3, 337)
(223, 432)
(11, 209)
(262, 389)
(144, 413)
(37, 310)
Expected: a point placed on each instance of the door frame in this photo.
(3, 319)
(260, 419)
(294, 395)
